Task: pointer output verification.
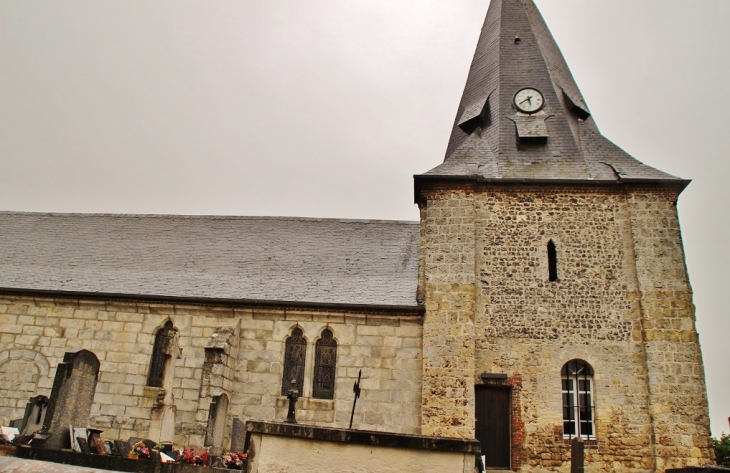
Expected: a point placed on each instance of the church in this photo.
(542, 296)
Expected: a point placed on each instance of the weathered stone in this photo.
(71, 397)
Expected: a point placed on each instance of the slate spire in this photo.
(494, 141)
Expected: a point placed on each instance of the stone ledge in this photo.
(698, 469)
(364, 437)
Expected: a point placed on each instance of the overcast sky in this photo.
(326, 108)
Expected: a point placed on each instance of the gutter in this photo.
(414, 310)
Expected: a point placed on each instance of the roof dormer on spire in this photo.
(522, 117)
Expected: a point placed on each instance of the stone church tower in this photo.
(553, 276)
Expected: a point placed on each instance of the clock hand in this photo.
(528, 99)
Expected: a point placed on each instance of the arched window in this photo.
(160, 354)
(325, 363)
(294, 355)
(552, 261)
(578, 402)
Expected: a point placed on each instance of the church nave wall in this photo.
(212, 351)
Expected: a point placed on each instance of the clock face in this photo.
(528, 100)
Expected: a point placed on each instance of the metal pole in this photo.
(356, 390)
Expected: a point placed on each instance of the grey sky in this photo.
(327, 108)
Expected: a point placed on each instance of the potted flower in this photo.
(234, 460)
(193, 456)
(139, 451)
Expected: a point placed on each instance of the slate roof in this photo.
(516, 50)
(299, 260)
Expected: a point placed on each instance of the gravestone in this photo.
(217, 416)
(238, 435)
(71, 397)
(35, 413)
(77, 433)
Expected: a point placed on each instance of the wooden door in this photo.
(492, 409)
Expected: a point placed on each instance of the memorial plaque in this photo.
(123, 448)
(83, 445)
(110, 448)
(98, 446)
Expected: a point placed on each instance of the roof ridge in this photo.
(209, 217)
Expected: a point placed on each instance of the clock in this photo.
(528, 100)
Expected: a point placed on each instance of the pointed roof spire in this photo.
(554, 139)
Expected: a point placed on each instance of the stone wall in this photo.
(18, 381)
(448, 328)
(279, 447)
(38, 331)
(528, 327)
(676, 375)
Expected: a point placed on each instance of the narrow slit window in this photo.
(552, 261)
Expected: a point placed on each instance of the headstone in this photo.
(35, 413)
(238, 435)
(77, 433)
(217, 416)
(17, 423)
(71, 397)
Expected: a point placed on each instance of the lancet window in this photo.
(325, 364)
(160, 354)
(294, 359)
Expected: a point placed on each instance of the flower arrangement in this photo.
(193, 456)
(234, 460)
(139, 450)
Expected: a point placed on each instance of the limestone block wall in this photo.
(20, 371)
(36, 332)
(676, 375)
(449, 291)
(528, 327)
(387, 349)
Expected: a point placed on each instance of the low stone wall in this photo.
(275, 447)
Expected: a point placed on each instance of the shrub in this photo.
(722, 449)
